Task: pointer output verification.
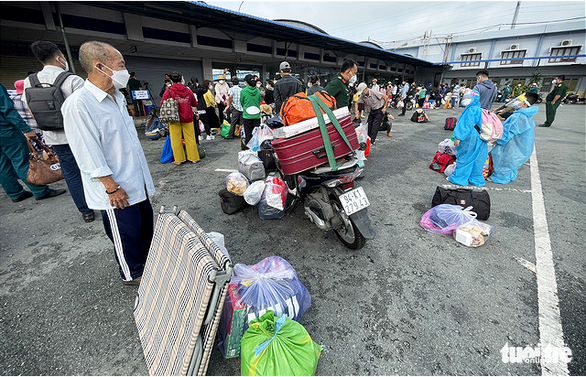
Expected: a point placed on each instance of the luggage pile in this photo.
(457, 213)
(319, 136)
(260, 321)
(444, 160)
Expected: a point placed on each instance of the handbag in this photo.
(479, 200)
(44, 166)
(169, 110)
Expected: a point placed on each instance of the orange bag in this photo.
(298, 108)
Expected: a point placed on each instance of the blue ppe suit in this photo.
(515, 147)
(472, 152)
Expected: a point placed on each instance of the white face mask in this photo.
(221, 81)
(66, 63)
(258, 85)
(119, 78)
(352, 80)
(554, 81)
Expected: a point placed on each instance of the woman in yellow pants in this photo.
(184, 128)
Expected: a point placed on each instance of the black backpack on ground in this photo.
(479, 200)
(419, 116)
(231, 203)
(45, 100)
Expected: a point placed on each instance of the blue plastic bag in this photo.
(167, 153)
(271, 284)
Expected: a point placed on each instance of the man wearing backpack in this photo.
(55, 68)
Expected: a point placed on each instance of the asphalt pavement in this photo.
(410, 302)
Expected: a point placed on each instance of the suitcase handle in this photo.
(321, 152)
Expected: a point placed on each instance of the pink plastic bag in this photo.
(445, 218)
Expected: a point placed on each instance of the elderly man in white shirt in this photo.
(54, 64)
(103, 138)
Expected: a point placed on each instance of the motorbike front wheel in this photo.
(409, 105)
(348, 233)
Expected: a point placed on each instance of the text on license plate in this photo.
(353, 201)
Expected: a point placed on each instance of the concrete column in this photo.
(206, 66)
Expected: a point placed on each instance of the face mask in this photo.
(554, 82)
(66, 65)
(119, 78)
(183, 81)
(221, 81)
(258, 85)
(352, 80)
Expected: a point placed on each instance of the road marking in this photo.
(528, 265)
(487, 188)
(226, 170)
(550, 323)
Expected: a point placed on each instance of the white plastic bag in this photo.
(254, 192)
(259, 134)
(236, 183)
(473, 233)
(450, 169)
(447, 146)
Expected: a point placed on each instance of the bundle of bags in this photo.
(260, 321)
(456, 213)
(458, 222)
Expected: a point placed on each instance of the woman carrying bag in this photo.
(184, 128)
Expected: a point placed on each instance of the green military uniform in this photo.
(560, 89)
(134, 84)
(338, 88)
(506, 93)
(533, 89)
(14, 152)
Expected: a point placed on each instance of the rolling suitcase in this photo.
(306, 150)
(180, 298)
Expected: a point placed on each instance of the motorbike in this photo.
(332, 201)
(409, 103)
(571, 99)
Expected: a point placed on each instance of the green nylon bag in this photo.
(278, 347)
(225, 132)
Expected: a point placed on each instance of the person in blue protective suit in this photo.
(471, 150)
(516, 145)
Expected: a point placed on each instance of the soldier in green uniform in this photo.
(554, 99)
(338, 87)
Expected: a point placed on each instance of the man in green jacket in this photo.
(250, 101)
(554, 99)
(338, 87)
(14, 154)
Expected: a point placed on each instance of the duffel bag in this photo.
(441, 161)
(298, 108)
(479, 200)
(231, 203)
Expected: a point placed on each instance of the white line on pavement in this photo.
(550, 324)
(227, 170)
(487, 188)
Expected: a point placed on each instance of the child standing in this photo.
(472, 151)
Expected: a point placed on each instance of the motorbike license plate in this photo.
(354, 201)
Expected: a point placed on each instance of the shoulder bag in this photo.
(169, 110)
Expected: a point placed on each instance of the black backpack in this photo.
(45, 100)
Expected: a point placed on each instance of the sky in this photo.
(389, 21)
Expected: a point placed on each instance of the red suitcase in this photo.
(306, 151)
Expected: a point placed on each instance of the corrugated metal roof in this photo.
(201, 15)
